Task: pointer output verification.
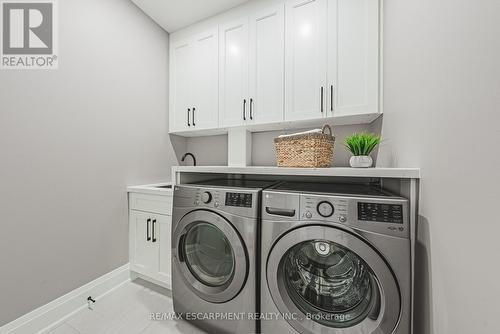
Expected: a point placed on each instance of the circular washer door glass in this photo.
(330, 284)
(209, 255)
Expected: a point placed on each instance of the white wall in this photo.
(209, 151)
(71, 140)
(212, 150)
(442, 98)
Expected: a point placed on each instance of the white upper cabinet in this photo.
(353, 57)
(296, 61)
(233, 73)
(205, 78)
(252, 69)
(180, 86)
(267, 47)
(194, 83)
(305, 59)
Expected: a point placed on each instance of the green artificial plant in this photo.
(361, 143)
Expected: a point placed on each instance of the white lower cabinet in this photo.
(150, 251)
(165, 250)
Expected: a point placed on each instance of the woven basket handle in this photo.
(326, 126)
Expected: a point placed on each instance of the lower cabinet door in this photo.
(143, 252)
(163, 236)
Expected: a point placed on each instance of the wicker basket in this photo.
(305, 150)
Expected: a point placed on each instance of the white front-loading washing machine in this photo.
(335, 259)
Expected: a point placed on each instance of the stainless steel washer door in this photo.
(210, 255)
(326, 280)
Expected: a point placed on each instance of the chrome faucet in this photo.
(191, 155)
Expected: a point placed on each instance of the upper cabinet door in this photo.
(267, 65)
(353, 57)
(233, 69)
(180, 87)
(205, 80)
(305, 59)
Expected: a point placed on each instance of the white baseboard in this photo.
(57, 311)
(134, 275)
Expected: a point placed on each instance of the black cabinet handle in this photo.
(189, 109)
(148, 236)
(251, 104)
(180, 247)
(154, 230)
(193, 116)
(331, 98)
(244, 109)
(321, 99)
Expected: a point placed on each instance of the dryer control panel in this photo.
(241, 202)
(238, 199)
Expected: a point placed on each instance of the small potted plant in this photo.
(361, 145)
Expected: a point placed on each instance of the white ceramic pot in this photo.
(361, 161)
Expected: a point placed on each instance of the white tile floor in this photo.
(127, 310)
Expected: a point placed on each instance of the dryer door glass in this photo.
(330, 283)
(209, 255)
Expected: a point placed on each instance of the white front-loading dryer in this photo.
(335, 260)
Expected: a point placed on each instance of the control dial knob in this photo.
(325, 209)
(206, 197)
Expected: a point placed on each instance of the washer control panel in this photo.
(387, 215)
(317, 207)
(375, 214)
(380, 212)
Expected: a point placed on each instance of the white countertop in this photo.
(400, 173)
(152, 189)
